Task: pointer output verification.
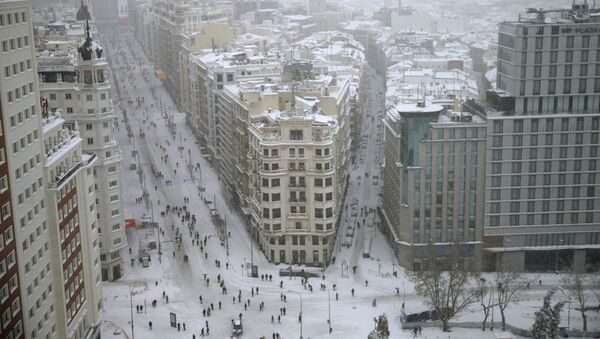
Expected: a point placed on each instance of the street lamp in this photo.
(329, 307)
(131, 309)
(299, 295)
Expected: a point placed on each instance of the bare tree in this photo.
(486, 300)
(446, 283)
(509, 285)
(575, 283)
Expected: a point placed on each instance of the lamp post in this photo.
(131, 309)
(329, 307)
(299, 295)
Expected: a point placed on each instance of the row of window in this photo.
(566, 57)
(517, 141)
(72, 310)
(533, 206)
(15, 43)
(20, 92)
(274, 152)
(34, 211)
(299, 240)
(544, 219)
(25, 142)
(20, 117)
(566, 89)
(13, 18)
(517, 154)
(549, 125)
(17, 68)
(69, 96)
(552, 71)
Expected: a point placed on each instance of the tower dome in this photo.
(83, 13)
(89, 46)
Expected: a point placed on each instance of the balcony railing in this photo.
(62, 177)
(297, 215)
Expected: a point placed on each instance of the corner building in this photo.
(433, 182)
(298, 184)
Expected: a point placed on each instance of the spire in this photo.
(87, 28)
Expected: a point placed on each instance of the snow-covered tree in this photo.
(547, 319)
(381, 330)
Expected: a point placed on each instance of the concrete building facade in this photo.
(542, 189)
(296, 195)
(23, 155)
(55, 290)
(82, 90)
(434, 180)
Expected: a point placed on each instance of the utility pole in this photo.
(131, 309)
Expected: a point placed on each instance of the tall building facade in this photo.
(433, 182)
(296, 193)
(82, 90)
(72, 226)
(32, 285)
(48, 243)
(542, 189)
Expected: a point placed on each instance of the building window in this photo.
(5, 211)
(296, 135)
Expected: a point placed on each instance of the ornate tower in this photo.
(96, 117)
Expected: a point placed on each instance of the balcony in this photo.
(63, 176)
(297, 216)
(297, 200)
(297, 185)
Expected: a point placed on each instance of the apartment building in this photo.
(49, 283)
(11, 321)
(251, 97)
(81, 89)
(72, 227)
(296, 194)
(542, 189)
(167, 21)
(32, 287)
(434, 181)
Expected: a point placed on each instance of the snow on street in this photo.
(184, 282)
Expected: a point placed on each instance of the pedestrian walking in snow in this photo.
(178, 327)
(279, 319)
(184, 326)
(150, 325)
(336, 296)
(200, 297)
(352, 292)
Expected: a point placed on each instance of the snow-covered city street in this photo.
(189, 288)
(312, 169)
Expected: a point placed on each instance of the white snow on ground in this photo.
(351, 317)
